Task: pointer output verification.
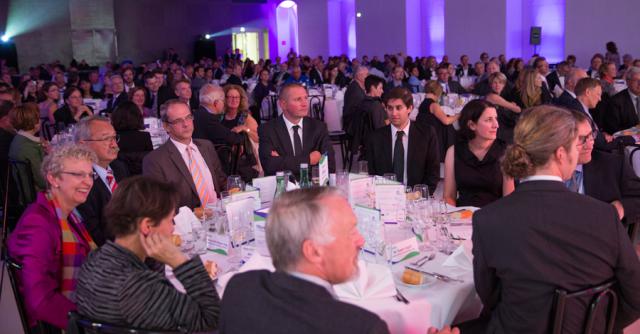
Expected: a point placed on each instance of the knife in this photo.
(437, 276)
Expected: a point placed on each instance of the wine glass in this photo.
(389, 176)
(234, 183)
(423, 189)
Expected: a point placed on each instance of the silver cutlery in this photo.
(438, 276)
(417, 262)
(400, 297)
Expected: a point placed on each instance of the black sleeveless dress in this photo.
(478, 182)
(445, 134)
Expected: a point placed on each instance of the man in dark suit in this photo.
(607, 177)
(562, 240)
(353, 96)
(625, 106)
(568, 98)
(309, 257)
(448, 85)
(192, 165)
(558, 78)
(397, 80)
(182, 89)
(156, 92)
(408, 149)
(293, 138)
(97, 134)
(315, 74)
(119, 95)
(483, 88)
(465, 69)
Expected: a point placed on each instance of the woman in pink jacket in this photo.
(50, 242)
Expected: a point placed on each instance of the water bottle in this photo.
(281, 186)
(304, 176)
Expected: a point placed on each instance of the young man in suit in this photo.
(406, 148)
(97, 134)
(293, 138)
(314, 244)
(192, 165)
(606, 176)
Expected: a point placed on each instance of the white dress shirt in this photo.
(206, 173)
(541, 178)
(405, 144)
(290, 126)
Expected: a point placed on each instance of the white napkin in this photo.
(255, 262)
(292, 186)
(184, 220)
(460, 258)
(373, 281)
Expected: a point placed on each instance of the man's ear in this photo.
(311, 252)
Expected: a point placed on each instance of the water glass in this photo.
(237, 237)
(234, 183)
(423, 189)
(315, 176)
(363, 167)
(342, 182)
(199, 233)
(389, 176)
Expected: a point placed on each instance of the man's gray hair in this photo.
(631, 72)
(210, 93)
(83, 128)
(297, 216)
(164, 108)
(53, 162)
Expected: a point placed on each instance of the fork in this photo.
(401, 298)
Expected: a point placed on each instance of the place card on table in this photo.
(361, 190)
(250, 192)
(401, 245)
(267, 187)
(391, 200)
(323, 170)
(370, 226)
(259, 233)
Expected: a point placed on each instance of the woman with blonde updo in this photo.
(544, 237)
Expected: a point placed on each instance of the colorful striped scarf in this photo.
(76, 244)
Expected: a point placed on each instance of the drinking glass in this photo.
(288, 177)
(363, 167)
(423, 189)
(315, 176)
(389, 176)
(342, 182)
(234, 183)
(237, 237)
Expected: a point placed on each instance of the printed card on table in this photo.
(267, 187)
(251, 193)
(369, 225)
(323, 170)
(240, 214)
(361, 191)
(391, 201)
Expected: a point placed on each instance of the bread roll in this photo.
(412, 277)
(177, 240)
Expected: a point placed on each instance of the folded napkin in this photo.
(255, 262)
(461, 258)
(373, 281)
(184, 221)
(292, 186)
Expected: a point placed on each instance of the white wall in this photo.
(382, 27)
(312, 27)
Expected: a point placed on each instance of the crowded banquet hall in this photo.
(319, 166)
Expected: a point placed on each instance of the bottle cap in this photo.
(304, 165)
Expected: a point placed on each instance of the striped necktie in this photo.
(111, 180)
(198, 178)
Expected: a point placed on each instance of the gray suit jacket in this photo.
(166, 164)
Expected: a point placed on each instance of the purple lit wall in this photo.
(341, 26)
(548, 14)
(473, 27)
(382, 27)
(418, 39)
(513, 29)
(313, 28)
(287, 25)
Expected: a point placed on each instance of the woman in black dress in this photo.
(472, 175)
(238, 119)
(432, 114)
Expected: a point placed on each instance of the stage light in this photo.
(287, 4)
(242, 29)
(358, 14)
(5, 38)
(207, 36)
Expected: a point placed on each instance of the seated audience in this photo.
(608, 72)
(431, 114)
(396, 80)
(238, 119)
(483, 88)
(514, 279)
(472, 175)
(625, 106)
(73, 109)
(465, 69)
(7, 133)
(334, 77)
(97, 134)
(293, 138)
(50, 94)
(414, 80)
(297, 77)
(508, 112)
(594, 69)
(530, 90)
(26, 146)
(182, 91)
(50, 241)
(354, 94)
(568, 98)
(407, 149)
(207, 120)
(314, 244)
(262, 90)
(369, 115)
(87, 90)
(191, 165)
(605, 176)
(134, 143)
(556, 80)
(118, 95)
(117, 287)
(138, 96)
(448, 85)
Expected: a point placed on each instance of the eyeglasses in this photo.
(115, 138)
(584, 139)
(180, 121)
(81, 175)
(233, 97)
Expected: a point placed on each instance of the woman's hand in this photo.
(161, 248)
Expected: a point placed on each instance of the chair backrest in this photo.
(23, 178)
(316, 107)
(269, 108)
(48, 129)
(598, 294)
(12, 311)
(82, 325)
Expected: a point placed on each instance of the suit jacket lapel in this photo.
(176, 158)
(100, 187)
(587, 179)
(387, 153)
(307, 135)
(283, 136)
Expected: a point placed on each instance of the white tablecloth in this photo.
(436, 304)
